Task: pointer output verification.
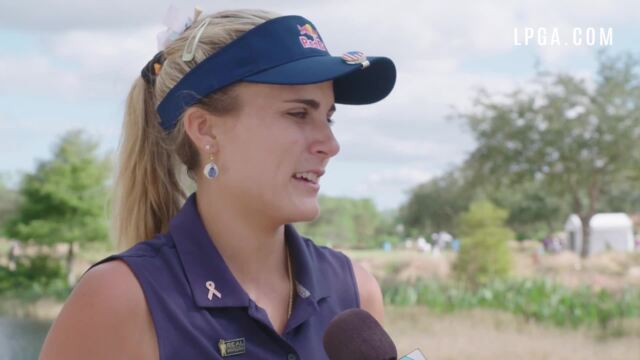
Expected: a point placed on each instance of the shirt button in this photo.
(291, 357)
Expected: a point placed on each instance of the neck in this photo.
(253, 250)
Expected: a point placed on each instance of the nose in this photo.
(326, 143)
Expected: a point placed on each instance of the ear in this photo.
(201, 127)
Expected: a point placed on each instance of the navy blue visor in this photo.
(286, 50)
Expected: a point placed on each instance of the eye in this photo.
(299, 114)
(303, 115)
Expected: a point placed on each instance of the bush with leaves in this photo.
(34, 278)
(484, 254)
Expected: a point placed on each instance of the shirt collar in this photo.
(203, 263)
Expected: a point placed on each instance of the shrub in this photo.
(34, 278)
(484, 254)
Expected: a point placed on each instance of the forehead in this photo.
(257, 93)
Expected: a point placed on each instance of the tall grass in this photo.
(538, 299)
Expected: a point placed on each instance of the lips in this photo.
(309, 178)
(312, 175)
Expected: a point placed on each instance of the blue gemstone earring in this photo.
(210, 170)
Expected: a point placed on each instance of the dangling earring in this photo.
(210, 170)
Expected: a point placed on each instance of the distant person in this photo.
(12, 256)
(423, 245)
(444, 238)
(386, 246)
(241, 100)
(455, 245)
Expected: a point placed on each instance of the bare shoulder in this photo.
(370, 293)
(105, 317)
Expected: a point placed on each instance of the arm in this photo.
(105, 317)
(370, 293)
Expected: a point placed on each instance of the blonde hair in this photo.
(149, 186)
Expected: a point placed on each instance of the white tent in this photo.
(573, 227)
(608, 231)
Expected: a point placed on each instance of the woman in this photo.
(243, 99)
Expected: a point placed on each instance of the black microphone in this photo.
(356, 335)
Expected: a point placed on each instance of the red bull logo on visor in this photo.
(315, 42)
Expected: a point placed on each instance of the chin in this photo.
(306, 212)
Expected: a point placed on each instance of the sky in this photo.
(69, 64)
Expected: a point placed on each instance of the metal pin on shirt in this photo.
(212, 290)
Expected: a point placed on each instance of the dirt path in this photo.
(487, 335)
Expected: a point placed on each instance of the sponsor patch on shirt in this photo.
(231, 347)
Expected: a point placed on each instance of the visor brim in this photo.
(352, 84)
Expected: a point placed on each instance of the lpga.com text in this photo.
(553, 36)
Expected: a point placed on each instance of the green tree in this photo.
(65, 198)
(484, 253)
(9, 201)
(533, 214)
(624, 197)
(347, 222)
(576, 138)
(435, 205)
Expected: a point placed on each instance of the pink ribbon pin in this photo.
(212, 290)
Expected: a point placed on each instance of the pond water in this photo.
(21, 339)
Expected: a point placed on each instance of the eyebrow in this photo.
(311, 103)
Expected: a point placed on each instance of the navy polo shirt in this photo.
(173, 269)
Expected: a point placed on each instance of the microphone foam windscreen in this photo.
(356, 335)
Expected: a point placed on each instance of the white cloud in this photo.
(396, 178)
(62, 15)
(375, 146)
(390, 186)
(34, 74)
(104, 51)
(79, 64)
(94, 50)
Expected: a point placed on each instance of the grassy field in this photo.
(479, 333)
(611, 271)
(490, 335)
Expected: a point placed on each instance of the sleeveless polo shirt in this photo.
(173, 270)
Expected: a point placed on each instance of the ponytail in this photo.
(147, 193)
(153, 165)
